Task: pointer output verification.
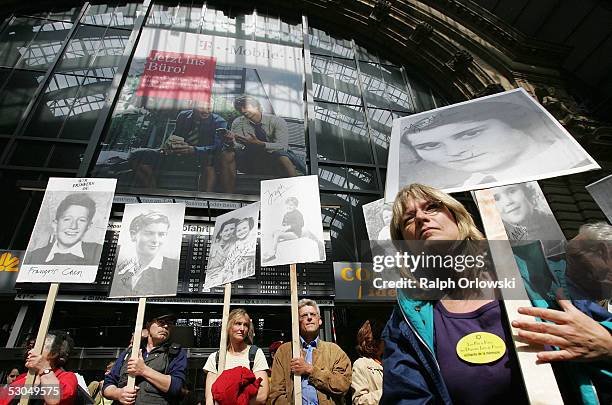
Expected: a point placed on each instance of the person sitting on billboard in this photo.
(73, 218)
(198, 133)
(260, 141)
(148, 269)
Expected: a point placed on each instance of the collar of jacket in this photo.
(420, 316)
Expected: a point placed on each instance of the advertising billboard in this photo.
(206, 113)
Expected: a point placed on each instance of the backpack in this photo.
(252, 352)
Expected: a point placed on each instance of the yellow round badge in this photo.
(481, 348)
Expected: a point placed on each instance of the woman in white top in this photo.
(239, 339)
(367, 382)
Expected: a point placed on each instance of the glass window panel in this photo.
(43, 50)
(346, 81)
(33, 154)
(341, 226)
(323, 79)
(355, 135)
(248, 26)
(331, 177)
(335, 80)
(98, 14)
(66, 156)
(381, 122)
(55, 106)
(328, 133)
(216, 22)
(423, 96)
(187, 18)
(363, 54)
(4, 74)
(15, 38)
(68, 14)
(15, 97)
(85, 109)
(397, 92)
(81, 49)
(362, 179)
(260, 26)
(125, 15)
(109, 53)
(373, 85)
(161, 16)
(322, 43)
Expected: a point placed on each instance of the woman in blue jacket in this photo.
(423, 363)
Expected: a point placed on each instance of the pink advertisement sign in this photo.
(178, 76)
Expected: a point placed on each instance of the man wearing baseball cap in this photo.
(159, 369)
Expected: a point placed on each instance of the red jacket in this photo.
(235, 386)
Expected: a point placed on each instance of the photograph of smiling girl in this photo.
(527, 216)
(491, 141)
(232, 251)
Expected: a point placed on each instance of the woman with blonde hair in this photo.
(240, 352)
(423, 361)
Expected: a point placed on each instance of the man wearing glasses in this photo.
(159, 368)
(324, 368)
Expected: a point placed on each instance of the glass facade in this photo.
(56, 70)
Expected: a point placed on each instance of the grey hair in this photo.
(596, 231)
(305, 302)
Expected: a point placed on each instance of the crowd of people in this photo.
(414, 359)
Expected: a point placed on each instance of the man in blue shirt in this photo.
(159, 369)
(324, 368)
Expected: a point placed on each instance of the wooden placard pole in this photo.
(42, 334)
(295, 332)
(227, 296)
(539, 380)
(142, 303)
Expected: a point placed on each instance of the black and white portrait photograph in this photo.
(66, 243)
(527, 216)
(148, 251)
(377, 217)
(491, 141)
(232, 251)
(291, 225)
(601, 191)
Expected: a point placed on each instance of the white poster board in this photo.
(66, 242)
(291, 225)
(601, 191)
(491, 141)
(377, 217)
(148, 251)
(527, 216)
(232, 252)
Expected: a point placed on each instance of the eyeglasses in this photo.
(431, 208)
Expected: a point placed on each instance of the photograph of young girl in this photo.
(377, 217)
(491, 141)
(527, 216)
(232, 252)
(291, 226)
